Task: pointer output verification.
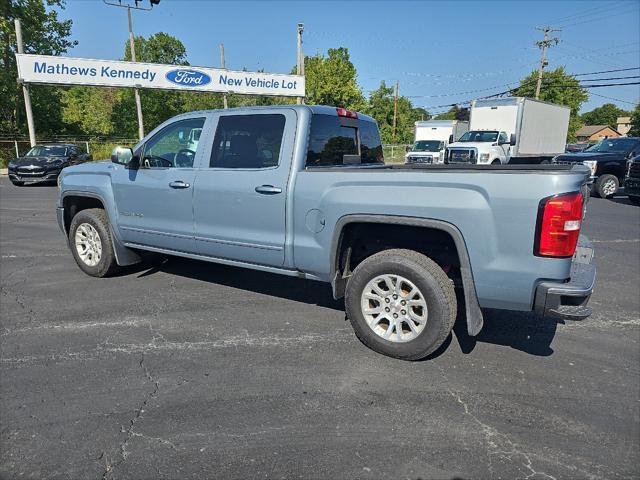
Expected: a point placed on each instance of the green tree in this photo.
(557, 87)
(381, 107)
(635, 122)
(90, 110)
(607, 114)
(331, 80)
(43, 33)
(454, 113)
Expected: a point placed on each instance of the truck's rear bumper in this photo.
(569, 300)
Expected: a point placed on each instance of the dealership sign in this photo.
(110, 73)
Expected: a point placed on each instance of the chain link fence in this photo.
(99, 148)
(395, 153)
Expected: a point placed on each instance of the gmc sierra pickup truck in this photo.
(304, 191)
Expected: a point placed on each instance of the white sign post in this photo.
(54, 70)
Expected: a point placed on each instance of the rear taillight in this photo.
(343, 112)
(558, 227)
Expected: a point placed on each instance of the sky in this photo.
(440, 52)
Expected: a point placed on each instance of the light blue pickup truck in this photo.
(304, 191)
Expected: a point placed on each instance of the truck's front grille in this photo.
(30, 170)
(420, 159)
(462, 156)
(634, 170)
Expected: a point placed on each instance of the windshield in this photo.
(473, 136)
(40, 151)
(618, 145)
(427, 146)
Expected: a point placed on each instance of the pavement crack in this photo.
(131, 433)
(498, 444)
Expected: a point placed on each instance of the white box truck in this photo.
(432, 139)
(512, 130)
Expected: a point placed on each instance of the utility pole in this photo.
(395, 112)
(25, 89)
(135, 90)
(543, 45)
(224, 96)
(300, 69)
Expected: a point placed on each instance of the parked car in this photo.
(576, 147)
(513, 130)
(43, 163)
(432, 138)
(304, 191)
(607, 160)
(632, 180)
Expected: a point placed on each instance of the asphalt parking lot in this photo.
(192, 370)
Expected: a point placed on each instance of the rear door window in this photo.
(337, 141)
(248, 141)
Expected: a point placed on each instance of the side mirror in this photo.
(407, 148)
(451, 138)
(513, 139)
(122, 155)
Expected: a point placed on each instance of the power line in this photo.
(600, 18)
(544, 82)
(616, 99)
(586, 13)
(506, 92)
(605, 71)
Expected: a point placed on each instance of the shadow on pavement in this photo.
(522, 331)
(622, 200)
(290, 288)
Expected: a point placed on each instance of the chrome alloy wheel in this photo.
(88, 244)
(609, 187)
(394, 308)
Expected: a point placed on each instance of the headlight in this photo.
(592, 164)
(554, 159)
(11, 165)
(484, 156)
(54, 161)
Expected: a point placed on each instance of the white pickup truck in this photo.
(511, 130)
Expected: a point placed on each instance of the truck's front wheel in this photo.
(401, 304)
(90, 243)
(606, 185)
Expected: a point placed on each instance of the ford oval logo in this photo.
(188, 78)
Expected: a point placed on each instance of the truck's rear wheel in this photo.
(401, 304)
(90, 243)
(606, 185)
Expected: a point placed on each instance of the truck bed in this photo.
(538, 169)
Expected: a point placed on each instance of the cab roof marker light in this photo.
(343, 112)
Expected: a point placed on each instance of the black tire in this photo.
(17, 184)
(97, 218)
(634, 199)
(496, 162)
(603, 182)
(434, 285)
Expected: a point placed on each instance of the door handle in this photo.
(268, 190)
(179, 184)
